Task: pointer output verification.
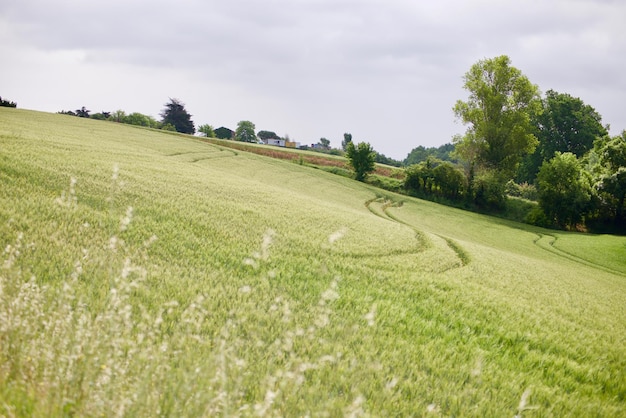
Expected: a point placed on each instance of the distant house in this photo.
(224, 133)
(277, 142)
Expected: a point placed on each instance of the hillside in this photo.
(147, 273)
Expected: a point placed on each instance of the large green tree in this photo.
(421, 153)
(176, 115)
(610, 175)
(564, 124)
(361, 159)
(245, 131)
(498, 111)
(564, 190)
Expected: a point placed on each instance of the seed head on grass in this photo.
(523, 404)
(264, 253)
(370, 317)
(337, 235)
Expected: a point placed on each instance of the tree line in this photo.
(174, 117)
(552, 149)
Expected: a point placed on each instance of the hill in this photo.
(147, 273)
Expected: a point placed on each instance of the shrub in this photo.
(387, 183)
(361, 158)
(523, 190)
(564, 193)
(489, 191)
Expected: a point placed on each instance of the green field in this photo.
(152, 274)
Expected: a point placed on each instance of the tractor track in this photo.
(422, 237)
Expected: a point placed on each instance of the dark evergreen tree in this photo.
(176, 115)
(82, 112)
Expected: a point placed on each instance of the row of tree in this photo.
(557, 144)
(174, 117)
(7, 103)
(554, 147)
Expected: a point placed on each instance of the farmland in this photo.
(147, 273)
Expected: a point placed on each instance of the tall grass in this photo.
(146, 274)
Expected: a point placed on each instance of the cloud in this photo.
(389, 71)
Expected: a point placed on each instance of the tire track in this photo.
(547, 242)
(426, 242)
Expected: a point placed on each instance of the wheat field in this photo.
(149, 274)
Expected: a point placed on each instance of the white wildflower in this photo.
(337, 235)
(523, 404)
(250, 262)
(126, 219)
(356, 408)
(113, 243)
(392, 383)
(370, 316)
(432, 408)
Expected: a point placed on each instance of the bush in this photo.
(386, 183)
(523, 190)
(361, 159)
(538, 218)
(489, 191)
(564, 192)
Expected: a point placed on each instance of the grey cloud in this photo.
(338, 65)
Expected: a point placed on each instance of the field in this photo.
(153, 274)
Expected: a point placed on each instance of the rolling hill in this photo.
(147, 273)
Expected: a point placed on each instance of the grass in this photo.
(148, 274)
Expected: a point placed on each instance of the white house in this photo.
(277, 142)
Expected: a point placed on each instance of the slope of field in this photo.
(148, 274)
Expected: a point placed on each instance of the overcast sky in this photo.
(387, 71)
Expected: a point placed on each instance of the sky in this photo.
(386, 71)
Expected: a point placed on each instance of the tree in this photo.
(101, 116)
(498, 110)
(564, 191)
(265, 135)
(176, 115)
(324, 143)
(564, 124)
(610, 175)
(140, 119)
(567, 124)
(118, 116)
(224, 133)
(7, 103)
(421, 153)
(347, 138)
(82, 112)
(448, 179)
(383, 159)
(207, 130)
(245, 131)
(434, 177)
(361, 159)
